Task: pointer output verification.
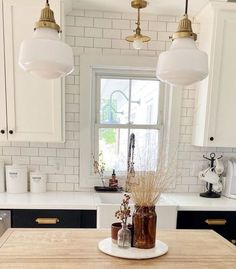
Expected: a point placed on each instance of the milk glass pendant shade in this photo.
(183, 64)
(45, 54)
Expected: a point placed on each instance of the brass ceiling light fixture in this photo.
(183, 64)
(45, 54)
(138, 39)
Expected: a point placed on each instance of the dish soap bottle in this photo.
(113, 182)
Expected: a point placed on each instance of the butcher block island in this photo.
(78, 248)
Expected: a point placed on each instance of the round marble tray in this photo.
(109, 248)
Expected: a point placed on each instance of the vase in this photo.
(144, 225)
(124, 237)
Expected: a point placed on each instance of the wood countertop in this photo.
(77, 248)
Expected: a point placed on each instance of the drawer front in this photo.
(41, 218)
(222, 222)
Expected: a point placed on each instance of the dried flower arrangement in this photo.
(99, 167)
(124, 211)
(148, 186)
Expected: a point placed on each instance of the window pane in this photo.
(145, 152)
(144, 101)
(113, 145)
(114, 102)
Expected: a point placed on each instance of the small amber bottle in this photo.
(113, 182)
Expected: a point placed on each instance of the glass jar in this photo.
(144, 224)
(124, 237)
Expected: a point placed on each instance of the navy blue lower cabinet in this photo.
(41, 218)
(223, 222)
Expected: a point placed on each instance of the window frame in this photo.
(92, 65)
(96, 117)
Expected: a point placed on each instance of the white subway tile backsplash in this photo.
(84, 21)
(102, 43)
(120, 44)
(29, 151)
(24, 160)
(111, 33)
(39, 160)
(112, 15)
(120, 24)
(70, 20)
(51, 186)
(74, 31)
(11, 151)
(65, 152)
(104, 33)
(102, 23)
(93, 32)
(93, 14)
(84, 41)
(157, 26)
(56, 178)
(65, 186)
(47, 152)
(167, 18)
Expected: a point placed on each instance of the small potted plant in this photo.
(124, 234)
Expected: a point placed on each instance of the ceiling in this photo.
(159, 7)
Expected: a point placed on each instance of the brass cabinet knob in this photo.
(216, 221)
(47, 220)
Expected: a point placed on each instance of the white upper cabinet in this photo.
(3, 123)
(215, 111)
(34, 105)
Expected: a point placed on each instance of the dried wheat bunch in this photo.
(147, 186)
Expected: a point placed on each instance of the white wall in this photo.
(104, 33)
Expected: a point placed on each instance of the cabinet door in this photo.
(52, 218)
(222, 127)
(34, 106)
(3, 125)
(215, 109)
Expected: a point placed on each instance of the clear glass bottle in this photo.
(124, 237)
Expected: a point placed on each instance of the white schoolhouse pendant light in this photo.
(183, 64)
(138, 39)
(45, 54)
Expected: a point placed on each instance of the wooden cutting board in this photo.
(77, 248)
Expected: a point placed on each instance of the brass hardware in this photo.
(47, 220)
(184, 29)
(233, 241)
(216, 221)
(138, 4)
(47, 19)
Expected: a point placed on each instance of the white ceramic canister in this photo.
(38, 182)
(16, 179)
(2, 177)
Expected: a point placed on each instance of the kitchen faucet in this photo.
(130, 162)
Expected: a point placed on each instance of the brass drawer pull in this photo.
(47, 220)
(216, 221)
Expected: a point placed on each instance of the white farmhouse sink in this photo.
(108, 204)
(111, 198)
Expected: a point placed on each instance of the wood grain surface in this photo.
(77, 248)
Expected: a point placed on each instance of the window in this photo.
(127, 105)
(114, 103)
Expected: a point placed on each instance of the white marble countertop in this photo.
(48, 200)
(91, 200)
(193, 202)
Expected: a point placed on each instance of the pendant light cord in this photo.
(186, 7)
(47, 2)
